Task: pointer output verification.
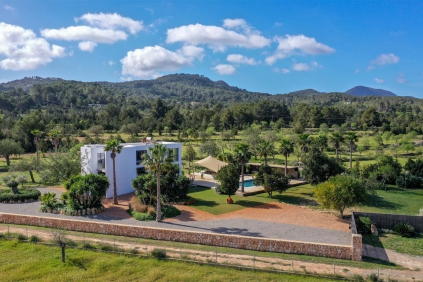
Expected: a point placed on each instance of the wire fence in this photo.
(213, 258)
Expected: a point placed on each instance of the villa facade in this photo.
(129, 163)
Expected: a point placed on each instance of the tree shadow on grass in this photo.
(374, 200)
(201, 202)
(246, 203)
(295, 200)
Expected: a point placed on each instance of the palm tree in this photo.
(336, 139)
(242, 155)
(286, 147)
(155, 161)
(37, 138)
(351, 137)
(115, 148)
(264, 149)
(55, 136)
(303, 141)
(321, 142)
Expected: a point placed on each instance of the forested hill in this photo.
(196, 90)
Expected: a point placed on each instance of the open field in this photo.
(24, 261)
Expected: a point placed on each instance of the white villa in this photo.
(128, 163)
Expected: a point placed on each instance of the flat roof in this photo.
(135, 144)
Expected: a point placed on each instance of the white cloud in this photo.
(145, 63)
(357, 70)
(128, 78)
(150, 10)
(24, 50)
(304, 66)
(234, 23)
(215, 37)
(111, 63)
(224, 69)
(112, 21)
(379, 80)
(291, 44)
(87, 46)
(9, 8)
(286, 71)
(241, 59)
(277, 24)
(192, 52)
(85, 33)
(401, 80)
(385, 59)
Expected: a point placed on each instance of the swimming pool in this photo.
(247, 183)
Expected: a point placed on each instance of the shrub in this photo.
(106, 247)
(151, 211)
(412, 181)
(134, 251)
(404, 229)
(88, 246)
(137, 206)
(24, 194)
(22, 237)
(159, 253)
(374, 278)
(142, 216)
(34, 239)
(49, 201)
(364, 225)
(170, 211)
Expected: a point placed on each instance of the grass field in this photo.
(396, 200)
(30, 262)
(410, 246)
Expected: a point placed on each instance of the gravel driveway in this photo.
(234, 226)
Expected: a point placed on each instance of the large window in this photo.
(101, 162)
(139, 156)
(174, 154)
(141, 170)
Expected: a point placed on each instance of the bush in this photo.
(412, 181)
(34, 239)
(24, 194)
(22, 237)
(159, 253)
(404, 229)
(137, 206)
(167, 212)
(49, 202)
(364, 225)
(374, 278)
(106, 247)
(170, 211)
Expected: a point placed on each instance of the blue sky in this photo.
(264, 46)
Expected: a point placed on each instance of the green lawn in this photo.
(396, 200)
(25, 261)
(410, 246)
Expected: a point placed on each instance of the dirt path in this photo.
(412, 262)
(234, 259)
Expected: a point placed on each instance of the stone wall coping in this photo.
(175, 230)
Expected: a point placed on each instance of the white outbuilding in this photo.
(128, 163)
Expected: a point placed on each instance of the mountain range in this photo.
(139, 86)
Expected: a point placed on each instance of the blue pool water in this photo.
(247, 183)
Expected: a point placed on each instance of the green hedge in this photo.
(24, 194)
(167, 212)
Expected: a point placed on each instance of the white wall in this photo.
(126, 166)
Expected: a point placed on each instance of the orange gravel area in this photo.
(271, 212)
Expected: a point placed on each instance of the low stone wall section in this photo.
(212, 239)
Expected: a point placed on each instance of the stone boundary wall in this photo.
(212, 239)
(356, 240)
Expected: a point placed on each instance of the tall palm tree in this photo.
(351, 138)
(336, 139)
(55, 136)
(115, 148)
(321, 142)
(286, 147)
(37, 138)
(156, 161)
(303, 141)
(265, 148)
(242, 155)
